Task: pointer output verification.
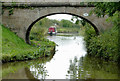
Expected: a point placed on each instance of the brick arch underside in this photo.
(31, 25)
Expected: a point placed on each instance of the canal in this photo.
(70, 61)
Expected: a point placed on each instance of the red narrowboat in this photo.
(52, 30)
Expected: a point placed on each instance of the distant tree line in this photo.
(45, 22)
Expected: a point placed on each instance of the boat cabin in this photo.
(52, 30)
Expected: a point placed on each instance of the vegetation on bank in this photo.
(105, 45)
(15, 49)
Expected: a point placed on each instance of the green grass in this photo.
(15, 49)
(42, 43)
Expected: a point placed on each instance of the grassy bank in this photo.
(15, 49)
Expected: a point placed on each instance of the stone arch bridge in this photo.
(22, 19)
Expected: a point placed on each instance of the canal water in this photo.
(70, 61)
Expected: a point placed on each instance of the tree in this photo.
(105, 8)
(66, 23)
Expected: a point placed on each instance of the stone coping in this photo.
(59, 0)
(46, 4)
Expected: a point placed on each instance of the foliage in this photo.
(105, 45)
(38, 33)
(45, 22)
(68, 30)
(115, 19)
(42, 43)
(105, 8)
(66, 23)
(78, 20)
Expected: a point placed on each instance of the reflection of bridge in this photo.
(23, 19)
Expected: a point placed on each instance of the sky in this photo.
(63, 16)
(60, 17)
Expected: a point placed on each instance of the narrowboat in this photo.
(52, 30)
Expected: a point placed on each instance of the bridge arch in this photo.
(22, 19)
(27, 38)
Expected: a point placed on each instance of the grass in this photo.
(42, 43)
(15, 49)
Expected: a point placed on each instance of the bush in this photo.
(37, 33)
(105, 45)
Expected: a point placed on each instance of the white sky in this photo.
(60, 17)
(63, 16)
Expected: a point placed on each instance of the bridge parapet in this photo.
(47, 4)
(59, 0)
(43, 0)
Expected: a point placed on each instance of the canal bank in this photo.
(70, 61)
(15, 49)
(104, 46)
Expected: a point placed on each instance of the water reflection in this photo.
(21, 70)
(68, 47)
(92, 68)
(39, 71)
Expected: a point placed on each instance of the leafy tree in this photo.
(66, 23)
(106, 8)
(55, 22)
(45, 22)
